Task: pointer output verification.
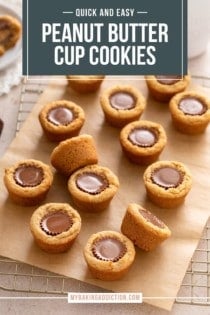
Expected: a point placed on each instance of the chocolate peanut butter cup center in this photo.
(142, 137)
(56, 223)
(108, 249)
(28, 175)
(4, 25)
(168, 80)
(122, 100)
(148, 216)
(60, 116)
(192, 106)
(91, 183)
(167, 177)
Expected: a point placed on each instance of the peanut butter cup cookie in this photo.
(109, 255)
(190, 112)
(10, 32)
(28, 182)
(55, 226)
(73, 154)
(93, 187)
(85, 83)
(61, 120)
(142, 141)
(143, 227)
(163, 87)
(167, 183)
(122, 104)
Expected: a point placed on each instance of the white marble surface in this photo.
(60, 306)
(200, 65)
(198, 26)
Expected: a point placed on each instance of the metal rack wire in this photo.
(19, 277)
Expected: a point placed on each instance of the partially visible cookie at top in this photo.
(84, 83)
(10, 32)
(164, 87)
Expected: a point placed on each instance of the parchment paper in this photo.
(158, 274)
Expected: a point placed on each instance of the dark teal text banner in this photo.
(117, 37)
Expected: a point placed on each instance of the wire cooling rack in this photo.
(20, 277)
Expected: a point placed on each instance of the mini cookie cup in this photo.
(143, 155)
(121, 117)
(28, 196)
(60, 242)
(60, 132)
(72, 154)
(93, 202)
(172, 196)
(164, 92)
(105, 269)
(190, 124)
